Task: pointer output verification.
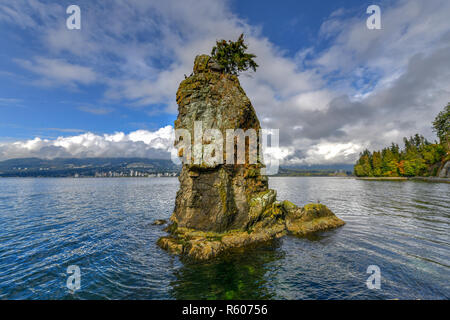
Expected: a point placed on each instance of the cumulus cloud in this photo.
(386, 84)
(141, 143)
(356, 88)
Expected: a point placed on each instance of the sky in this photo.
(330, 85)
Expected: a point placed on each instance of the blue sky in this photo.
(332, 86)
(292, 26)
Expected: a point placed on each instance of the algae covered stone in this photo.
(311, 218)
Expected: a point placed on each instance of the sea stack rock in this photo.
(224, 203)
(215, 196)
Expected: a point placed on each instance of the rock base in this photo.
(281, 219)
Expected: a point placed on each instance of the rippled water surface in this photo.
(104, 227)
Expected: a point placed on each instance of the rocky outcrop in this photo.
(227, 204)
(281, 218)
(445, 171)
(215, 197)
(159, 222)
(309, 219)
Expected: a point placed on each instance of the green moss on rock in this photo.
(201, 63)
(312, 218)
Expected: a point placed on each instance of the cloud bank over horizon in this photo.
(352, 88)
(140, 143)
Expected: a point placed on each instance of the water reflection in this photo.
(238, 275)
(104, 227)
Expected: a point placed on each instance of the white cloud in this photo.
(408, 27)
(312, 100)
(332, 153)
(58, 71)
(141, 143)
(389, 83)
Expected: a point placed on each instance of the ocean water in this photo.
(103, 226)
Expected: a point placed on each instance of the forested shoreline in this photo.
(418, 157)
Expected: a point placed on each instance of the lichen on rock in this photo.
(221, 206)
(311, 218)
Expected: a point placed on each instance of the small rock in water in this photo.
(159, 222)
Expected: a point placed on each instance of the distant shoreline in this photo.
(382, 178)
(426, 179)
(83, 177)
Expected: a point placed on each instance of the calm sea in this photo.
(103, 226)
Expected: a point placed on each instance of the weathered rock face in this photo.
(223, 205)
(445, 171)
(279, 219)
(215, 197)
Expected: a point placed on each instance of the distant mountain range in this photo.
(136, 167)
(89, 167)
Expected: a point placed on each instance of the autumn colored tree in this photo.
(389, 162)
(364, 165)
(377, 164)
(419, 157)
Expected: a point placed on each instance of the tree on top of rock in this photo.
(232, 57)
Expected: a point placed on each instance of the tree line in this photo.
(419, 157)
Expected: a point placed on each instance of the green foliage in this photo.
(441, 125)
(232, 57)
(364, 165)
(416, 159)
(377, 164)
(389, 160)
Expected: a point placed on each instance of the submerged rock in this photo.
(222, 205)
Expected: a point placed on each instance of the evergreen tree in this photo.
(232, 57)
(416, 159)
(390, 162)
(364, 167)
(441, 126)
(377, 164)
